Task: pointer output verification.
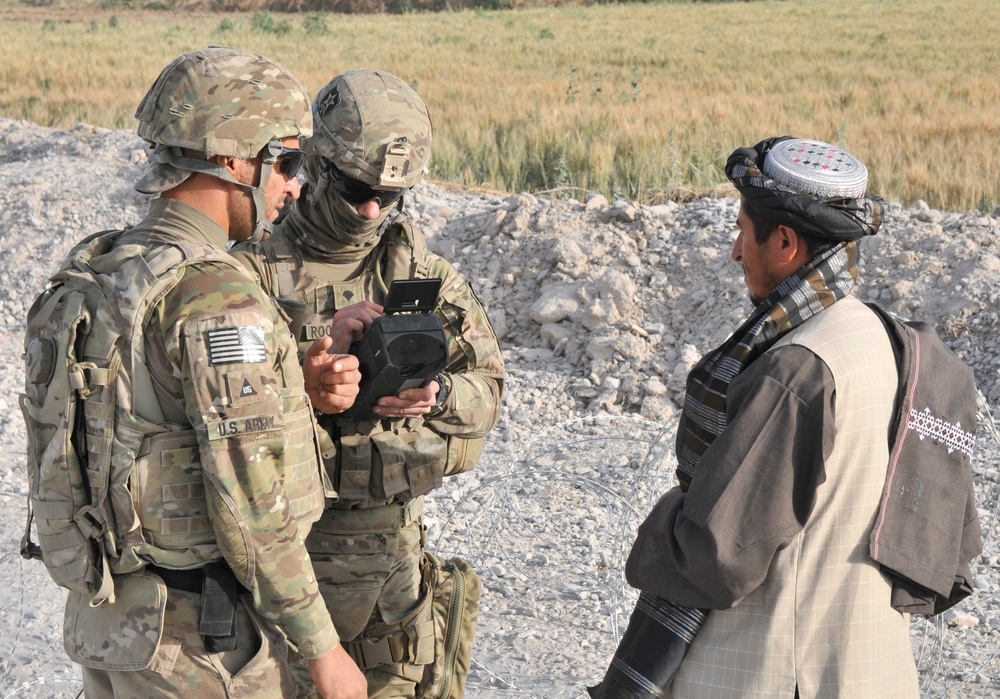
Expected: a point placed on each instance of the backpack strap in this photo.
(406, 253)
(167, 265)
(279, 263)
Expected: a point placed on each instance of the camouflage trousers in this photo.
(367, 563)
(182, 668)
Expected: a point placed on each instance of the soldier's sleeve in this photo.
(244, 396)
(475, 363)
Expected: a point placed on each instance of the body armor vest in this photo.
(371, 462)
(115, 484)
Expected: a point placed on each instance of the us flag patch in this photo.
(241, 345)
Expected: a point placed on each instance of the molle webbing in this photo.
(383, 464)
(384, 518)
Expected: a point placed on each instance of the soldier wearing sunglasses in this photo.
(200, 577)
(341, 245)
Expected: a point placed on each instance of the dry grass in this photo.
(631, 100)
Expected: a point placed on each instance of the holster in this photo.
(218, 588)
(410, 641)
(217, 621)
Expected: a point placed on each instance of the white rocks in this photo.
(602, 309)
(556, 302)
(958, 618)
(596, 202)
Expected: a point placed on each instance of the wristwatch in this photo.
(444, 382)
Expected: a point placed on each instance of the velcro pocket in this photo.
(355, 467)
(389, 466)
(426, 457)
(123, 636)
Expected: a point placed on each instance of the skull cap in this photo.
(813, 167)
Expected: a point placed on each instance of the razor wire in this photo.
(576, 612)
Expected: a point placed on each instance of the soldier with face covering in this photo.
(338, 250)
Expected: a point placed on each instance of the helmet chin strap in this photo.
(176, 158)
(262, 225)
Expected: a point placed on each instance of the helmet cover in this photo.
(374, 128)
(223, 101)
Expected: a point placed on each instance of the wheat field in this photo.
(641, 101)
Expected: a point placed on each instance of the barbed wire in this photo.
(632, 478)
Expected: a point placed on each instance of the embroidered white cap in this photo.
(814, 167)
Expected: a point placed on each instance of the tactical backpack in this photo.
(456, 591)
(86, 386)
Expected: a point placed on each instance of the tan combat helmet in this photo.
(374, 129)
(220, 101)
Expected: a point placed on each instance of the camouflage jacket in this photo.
(475, 367)
(223, 363)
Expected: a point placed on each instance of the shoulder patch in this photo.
(236, 345)
(247, 389)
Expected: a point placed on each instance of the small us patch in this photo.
(236, 345)
(247, 389)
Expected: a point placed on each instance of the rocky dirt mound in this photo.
(602, 308)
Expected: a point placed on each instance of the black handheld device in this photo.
(402, 349)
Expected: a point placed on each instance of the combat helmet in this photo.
(220, 101)
(373, 128)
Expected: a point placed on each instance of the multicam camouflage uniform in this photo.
(367, 549)
(227, 469)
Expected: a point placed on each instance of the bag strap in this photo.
(408, 641)
(406, 253)
(279, 263)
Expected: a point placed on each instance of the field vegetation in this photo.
(640, 101)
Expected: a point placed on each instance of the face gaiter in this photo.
(327, 226)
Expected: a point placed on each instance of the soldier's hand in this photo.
(413, 402)
(350, 322)
(331, 379)
(336, 676)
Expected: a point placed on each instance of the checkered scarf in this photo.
(815, 286)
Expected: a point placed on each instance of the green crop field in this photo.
(641, 101)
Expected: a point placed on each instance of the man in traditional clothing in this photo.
(783, 454)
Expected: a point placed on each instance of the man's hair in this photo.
(764, 227)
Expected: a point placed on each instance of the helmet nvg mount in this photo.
(373, 128)
(219, 101)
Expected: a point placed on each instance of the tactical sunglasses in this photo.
(356, 192)
(289, 159)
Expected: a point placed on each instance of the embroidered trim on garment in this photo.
(940, 430)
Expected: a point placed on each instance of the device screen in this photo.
(412, 296)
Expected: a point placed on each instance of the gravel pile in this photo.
(602, 308)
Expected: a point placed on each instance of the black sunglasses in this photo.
(289, 159)
(356, 192)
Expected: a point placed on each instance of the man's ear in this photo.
(229, 163)
(790, 246)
